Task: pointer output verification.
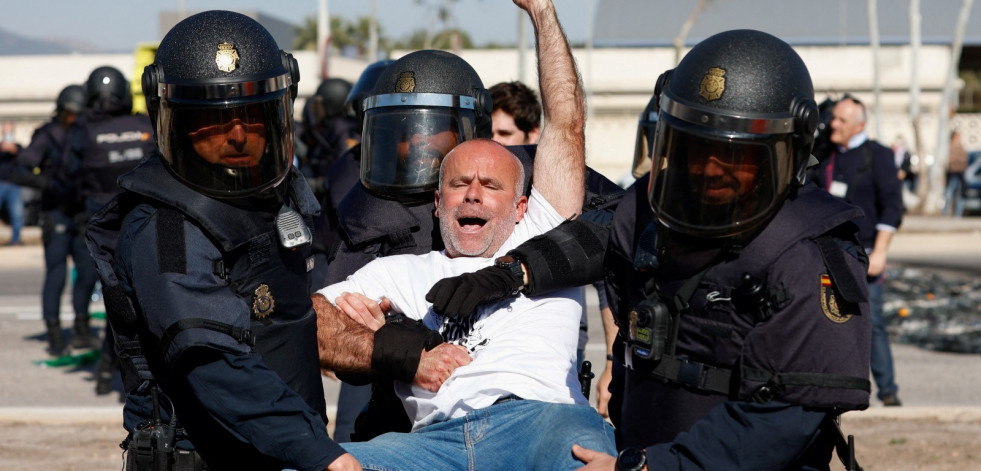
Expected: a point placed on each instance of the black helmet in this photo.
(362, 88)
(220, 94)
(422, 106)
(644, 144)
(327, 102)
(71, 99)
(107, 90)
(735, 128)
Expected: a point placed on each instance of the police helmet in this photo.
(107, 90)
(735, 128)
(71, 99)
(327, 102)
(362, 88)
(421, 107)
(220, 94)
(644, 144)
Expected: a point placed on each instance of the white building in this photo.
(633, 46)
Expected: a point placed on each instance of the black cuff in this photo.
(398, 348)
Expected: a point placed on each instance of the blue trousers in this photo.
(882, 369)
(10, 198)
(514, 434)
(62, 239)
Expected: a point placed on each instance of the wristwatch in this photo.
(512, 265)
(632, 459)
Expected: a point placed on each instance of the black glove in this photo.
(460, 295)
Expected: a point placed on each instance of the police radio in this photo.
(293, 232)
(648, 332)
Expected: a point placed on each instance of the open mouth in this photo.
(471, 223)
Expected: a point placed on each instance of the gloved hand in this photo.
(460, 295)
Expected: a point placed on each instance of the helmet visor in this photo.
(231, 150)
(402, 147)
(711, 184)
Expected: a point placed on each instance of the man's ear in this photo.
(522, 208)
(436, 203)
(534, 135)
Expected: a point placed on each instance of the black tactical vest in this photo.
(265, 275)
(714, 364)
(108, 147)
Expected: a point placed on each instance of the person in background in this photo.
(10, 197)
(39, 165)
(863, 172)
(517, 116)
(956, 165)
(104, 142)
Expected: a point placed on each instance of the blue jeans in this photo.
(882, 370)
(515, 434)
(10, 198)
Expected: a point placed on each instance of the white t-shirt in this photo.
(522, 346)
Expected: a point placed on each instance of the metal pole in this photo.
(679, 40)
(323, 35)
(914, 101)
(522, 47)
(373, 33)
(938, 170)
(588, 79)
(874, 39)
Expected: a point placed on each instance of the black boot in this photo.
(83, 338)
(103, 374)
(56, 340)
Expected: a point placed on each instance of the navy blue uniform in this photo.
(790, 369)
(61, 237)
(101, 148)
(223, 317)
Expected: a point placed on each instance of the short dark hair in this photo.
(519, 101)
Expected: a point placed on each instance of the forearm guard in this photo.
(398, 348)
(567, 256)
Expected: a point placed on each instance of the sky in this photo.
(119, 24)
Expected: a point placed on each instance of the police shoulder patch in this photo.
(835, 308)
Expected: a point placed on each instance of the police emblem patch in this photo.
(833, 310)
(406, 82)
(227, 57)
(713, 84)
(263, 302)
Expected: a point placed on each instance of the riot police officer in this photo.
(345, 172)
(402, 145)
(205, 259)
(741, 304)
(105, 142)
(38, 166)
(328, 130)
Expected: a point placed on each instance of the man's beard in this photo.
(451, 236)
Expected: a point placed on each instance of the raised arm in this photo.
(560, 163)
